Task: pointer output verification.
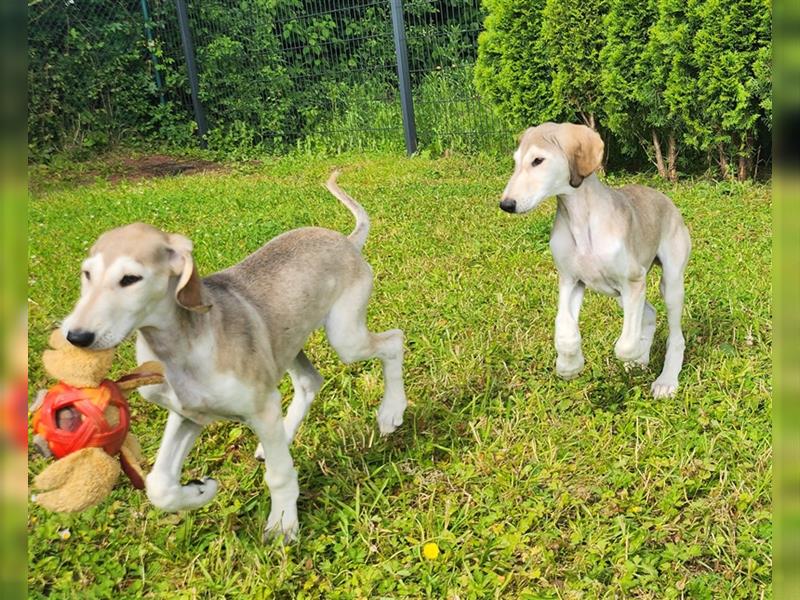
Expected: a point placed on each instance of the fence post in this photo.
(191, 67)
(404, 81)
(150, 44)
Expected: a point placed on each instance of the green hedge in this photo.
(685, 84)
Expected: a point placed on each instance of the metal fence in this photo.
(277, 74)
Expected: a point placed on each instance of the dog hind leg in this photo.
(674, 265)
(348, 334)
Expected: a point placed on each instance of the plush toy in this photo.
(84, 422)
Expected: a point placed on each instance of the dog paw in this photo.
(390, 416)
(259, 453)
(639, 363)
(569, 368)
(198, 492)
(664, 388)
(171, 498)
(284, 530)
(626, 352)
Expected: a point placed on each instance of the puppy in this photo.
(606, 239)
(226, 340)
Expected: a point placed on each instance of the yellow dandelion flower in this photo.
(430, 551)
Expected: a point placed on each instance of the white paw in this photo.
(282, 527)
(259, 454)
(639, 363)
(390, 416)
(198, 492)
(569, 368)
(664, 388)
(627, 352)
(194, 494)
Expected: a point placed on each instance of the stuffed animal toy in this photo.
(84, 422)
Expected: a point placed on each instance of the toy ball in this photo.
(71, 418)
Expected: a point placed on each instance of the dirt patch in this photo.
(159, 165)
(115, 168)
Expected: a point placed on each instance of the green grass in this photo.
(531, 486)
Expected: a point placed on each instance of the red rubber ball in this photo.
(94, 430)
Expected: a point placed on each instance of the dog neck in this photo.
(170, 330)
(580, 205)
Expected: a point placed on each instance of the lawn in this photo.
(532, 487)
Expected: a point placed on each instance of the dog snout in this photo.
(508, 205)
(80, 337)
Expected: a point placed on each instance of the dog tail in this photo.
(359, 235)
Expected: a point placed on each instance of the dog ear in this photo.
(584, 149)
(188, 292)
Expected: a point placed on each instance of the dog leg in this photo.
(280, 474)
(672, 290)
(348, 334)
(163, 483)
(648, 331)
(306, 382)
(629, 345)
(569, 362)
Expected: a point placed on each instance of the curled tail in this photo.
(359, 235)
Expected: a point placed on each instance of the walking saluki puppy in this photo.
(606, 239)
(226, 340)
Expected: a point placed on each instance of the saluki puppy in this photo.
(606, 239)
(227, 340)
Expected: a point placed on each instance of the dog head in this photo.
(133, 277)
(552, 159)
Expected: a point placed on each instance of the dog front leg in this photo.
(163, 483)
(629, 345)
(280, 475)
(567, 335)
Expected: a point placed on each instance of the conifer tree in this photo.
(511, 71)
(730, 47)
(632, 101)
(573, 35)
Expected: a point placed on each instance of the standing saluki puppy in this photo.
(606, 239)
(226, 340)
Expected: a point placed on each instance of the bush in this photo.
(689, 73)
(90, 81)
(511, 71)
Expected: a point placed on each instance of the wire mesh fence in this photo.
(272, 74)
(90, 79)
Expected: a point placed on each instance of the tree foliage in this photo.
(685, 78)
(573, 36)
(519, 89)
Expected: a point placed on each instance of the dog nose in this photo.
(80, 338)
(508, 205)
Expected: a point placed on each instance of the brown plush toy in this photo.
(84, 421)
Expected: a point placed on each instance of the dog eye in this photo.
(129, 280)
(86, 274)
(537, 161)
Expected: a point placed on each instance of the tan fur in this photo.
(76, 366)
(582, 146)
(84, 478)
(77, 481)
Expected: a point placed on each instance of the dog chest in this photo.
(602, 268)
(200, 394)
